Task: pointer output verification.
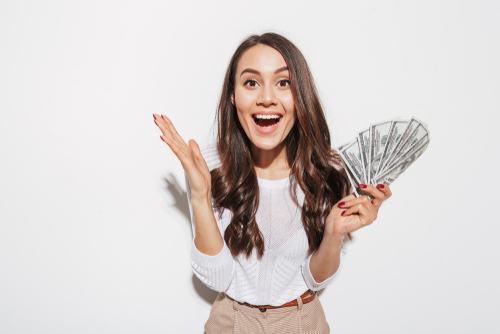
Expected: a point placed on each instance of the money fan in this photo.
(384, 151)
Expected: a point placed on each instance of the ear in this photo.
(232, 99)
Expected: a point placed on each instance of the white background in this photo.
(94, 229)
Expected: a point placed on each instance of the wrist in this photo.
(201, 198)
(333, 237)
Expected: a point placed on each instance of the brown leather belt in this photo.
(294, 302)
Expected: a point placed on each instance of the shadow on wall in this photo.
(182, 205)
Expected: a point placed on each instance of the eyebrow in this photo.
(251, 70)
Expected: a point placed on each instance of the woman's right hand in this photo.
(189, 155)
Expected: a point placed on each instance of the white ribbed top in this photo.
(282, 274)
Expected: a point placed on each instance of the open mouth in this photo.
(266, 122)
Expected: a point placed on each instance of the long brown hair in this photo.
(308, 148)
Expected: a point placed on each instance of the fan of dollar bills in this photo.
(384, 151)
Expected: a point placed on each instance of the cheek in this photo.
(290, 125)
(288, 103)
(244, 100)
(291, 120)
(289, 106)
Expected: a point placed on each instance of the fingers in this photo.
(172, 129)
(384, 188)
(349, 202)
(175, 136)
(363, 201)
(169, 132)
(346, 199)
(360, 211)
(365, 216)
(173, 140)
(162, 124)
(378, 193)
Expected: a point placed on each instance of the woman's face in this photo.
(263, 97)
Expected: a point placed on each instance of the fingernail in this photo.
(341, 203)
(363, 186)
(154, 116)
(381, 186)
(162, 138)
(343, 213)
(155, 122)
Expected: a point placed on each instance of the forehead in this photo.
(262, 58)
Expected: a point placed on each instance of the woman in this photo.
(268, 201)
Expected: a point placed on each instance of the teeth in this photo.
(267, 116)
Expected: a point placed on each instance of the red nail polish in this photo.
(162, 138)
(363, 186)
(343, 213)
(341, 203)
(154, 116)
(381, 186)
(155, 122)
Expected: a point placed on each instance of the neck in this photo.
(271, 164)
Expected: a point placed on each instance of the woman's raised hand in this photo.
(189, 155)
(353, 213)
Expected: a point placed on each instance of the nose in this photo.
(267, 97)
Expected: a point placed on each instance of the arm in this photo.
(349, 215)
(211, 260)
(207, 237)
(322, 267)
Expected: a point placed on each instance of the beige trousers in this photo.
(227, 316)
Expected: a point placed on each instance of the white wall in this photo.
(94, 230)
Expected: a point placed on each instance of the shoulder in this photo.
(211, 155)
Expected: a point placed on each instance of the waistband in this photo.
(305, 298)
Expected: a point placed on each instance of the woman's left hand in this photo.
(352, 213)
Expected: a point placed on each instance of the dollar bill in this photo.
(364, 147)
(393, 173)
(412, 125)
(341, 147)
(355, 185)
(384, 151)
(395, 133)
(352, 158)
(419, 133)
(378, 139)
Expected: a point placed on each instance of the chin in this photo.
(266, 144)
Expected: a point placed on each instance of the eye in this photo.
(250, 83)
(284, 83)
